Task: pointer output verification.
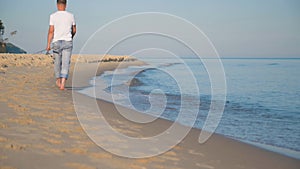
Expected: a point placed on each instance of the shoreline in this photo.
(280, 150)
(38, 123)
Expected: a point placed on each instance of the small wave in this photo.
(168, 64)
(135, 82)
(273, 64)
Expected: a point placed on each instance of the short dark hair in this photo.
(61, 1)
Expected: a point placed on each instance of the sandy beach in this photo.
(39, 126)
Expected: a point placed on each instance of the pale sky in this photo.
(237, 28)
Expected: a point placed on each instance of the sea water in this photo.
(262, 105)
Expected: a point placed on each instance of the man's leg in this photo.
(65, 65)
(57, 62)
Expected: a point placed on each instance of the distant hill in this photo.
(10, 48)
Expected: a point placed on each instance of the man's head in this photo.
(61, 5)
(62, 2)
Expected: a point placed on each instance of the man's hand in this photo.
(48, 47)
(73, 31)
(50, 37)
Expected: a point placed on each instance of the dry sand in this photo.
(39, 128)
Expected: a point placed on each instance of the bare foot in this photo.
(58, 82)
(62, 84)
(62, 87)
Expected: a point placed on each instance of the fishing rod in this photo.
(42, 51)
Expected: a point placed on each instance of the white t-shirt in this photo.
(62, 22)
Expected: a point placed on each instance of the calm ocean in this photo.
(262, 101)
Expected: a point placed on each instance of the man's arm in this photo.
(50, 37)
(73, 31)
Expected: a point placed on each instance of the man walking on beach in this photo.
(61, 32)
